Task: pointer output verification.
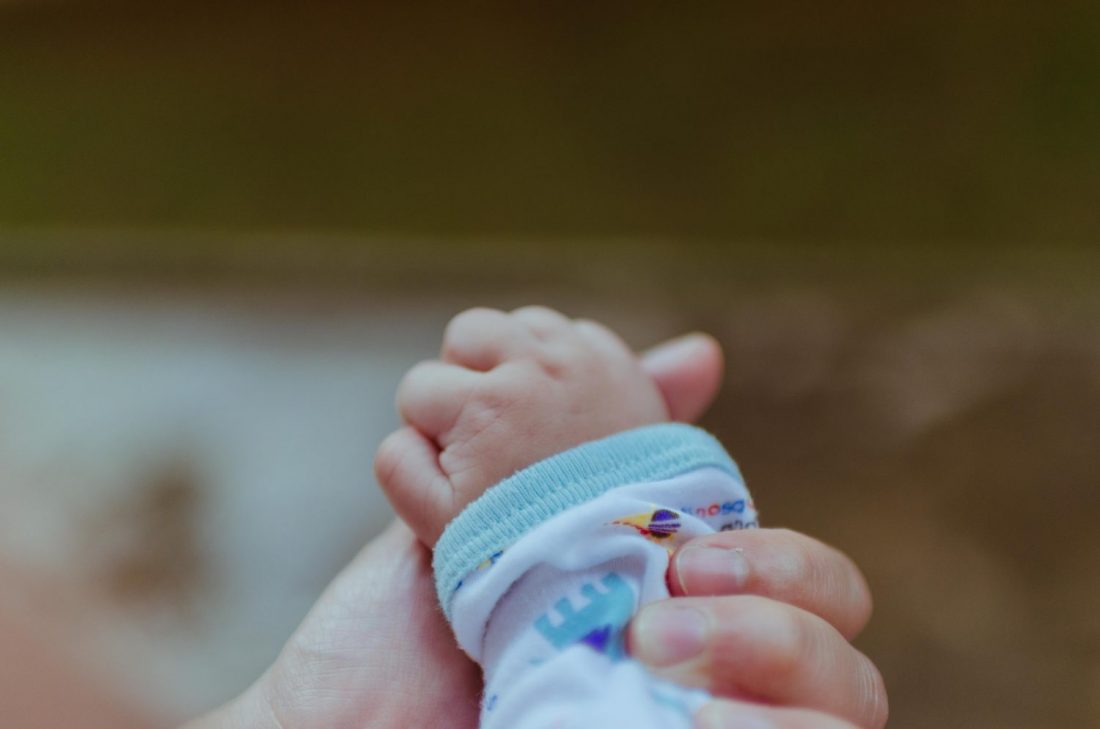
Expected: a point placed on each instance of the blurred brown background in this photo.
(226, 228)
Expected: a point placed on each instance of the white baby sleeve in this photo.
(540, 576)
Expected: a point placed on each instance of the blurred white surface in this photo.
(181, 475)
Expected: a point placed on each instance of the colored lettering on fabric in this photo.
(599, 624)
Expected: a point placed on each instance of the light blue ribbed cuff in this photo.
(507, 511)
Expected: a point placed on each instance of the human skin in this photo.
(376, 653)
(513, 388)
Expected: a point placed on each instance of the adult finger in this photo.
(777, 563)
(373, 652)
(726, 714)
(688, 372)
(754, 648)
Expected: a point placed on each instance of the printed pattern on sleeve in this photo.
(545, 614)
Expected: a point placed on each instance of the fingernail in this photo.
(666, 634)
(711, 570)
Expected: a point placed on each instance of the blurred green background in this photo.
(887, 212)
(853, 121)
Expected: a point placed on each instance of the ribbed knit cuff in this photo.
(507, 511)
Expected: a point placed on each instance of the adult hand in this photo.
(777, 608)
(763, 617)
(774, 609)
(374, 652)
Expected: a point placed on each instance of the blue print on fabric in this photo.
(599, 624)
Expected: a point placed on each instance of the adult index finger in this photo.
(779, 564)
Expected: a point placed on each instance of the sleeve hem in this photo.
(507, 511)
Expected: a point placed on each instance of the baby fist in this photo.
(508, 391)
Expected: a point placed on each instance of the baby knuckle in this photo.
(592, 326)
(413, 382)
(557, 363)
(537, 312)
(471, 320)
(491, 401)
(487, 405)
(521, 379)
(417, 373)
(601, 336)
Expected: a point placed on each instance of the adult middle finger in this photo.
(755, 648)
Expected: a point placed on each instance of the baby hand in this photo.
(509, 390)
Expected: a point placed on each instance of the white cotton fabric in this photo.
(545, 618)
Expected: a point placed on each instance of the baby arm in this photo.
(540, 574)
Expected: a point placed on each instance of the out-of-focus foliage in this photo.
(792, 120)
